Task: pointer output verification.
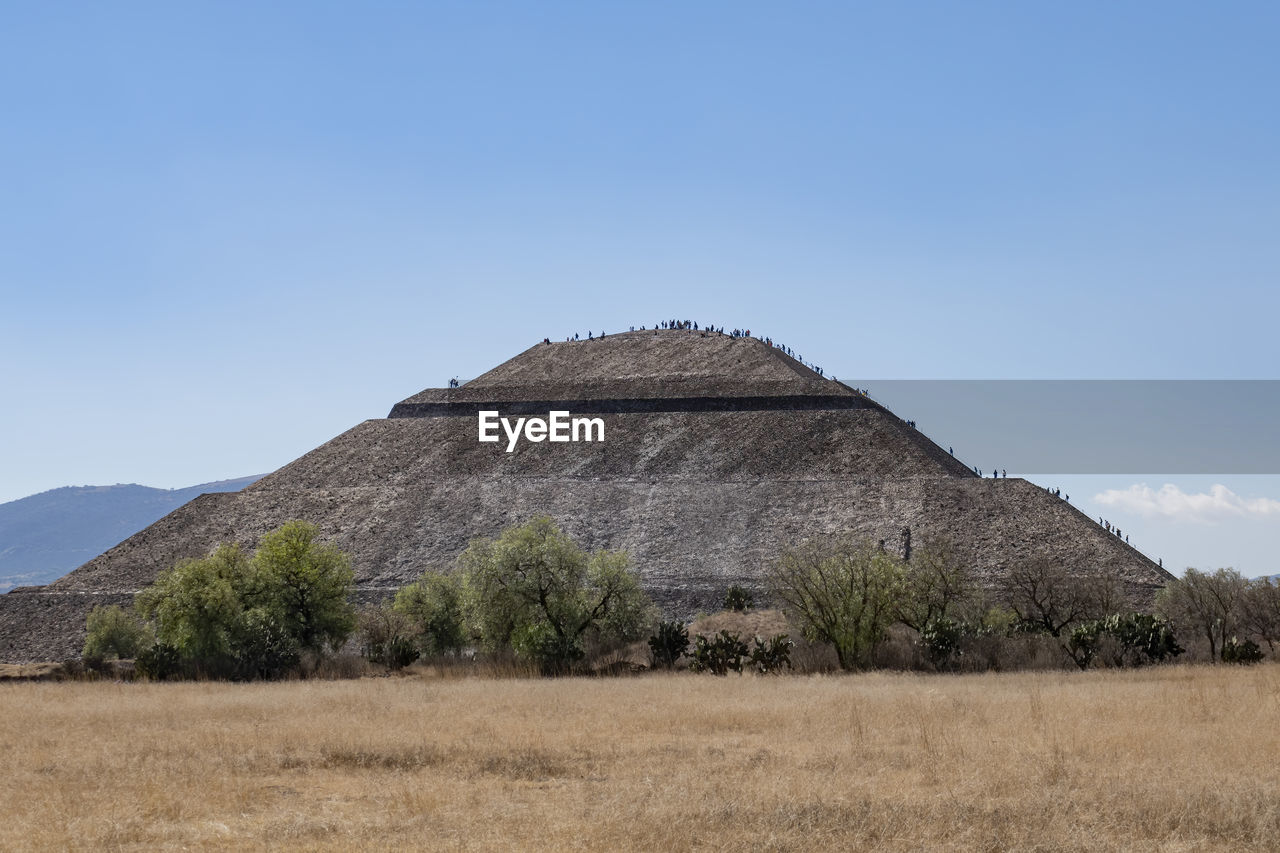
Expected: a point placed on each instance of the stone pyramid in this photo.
(717, 451)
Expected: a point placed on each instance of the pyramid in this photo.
(717, 452)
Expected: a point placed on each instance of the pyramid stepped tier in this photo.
(701, 497)
(664, 368)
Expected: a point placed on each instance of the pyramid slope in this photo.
(689, 540)
(736, 451)
(642, 365)
(701, 446)
(656, 354)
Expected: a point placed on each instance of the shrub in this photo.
(114, 632)
(738, 599)
(1240, 651)
(718, 655)
(941, 639)
(1135, 639)
(264, 648)
(1143, 637)
(1082, 642)
(772, 655)
(160, 662)
(668, 645)
(386, 637)
(554, 653)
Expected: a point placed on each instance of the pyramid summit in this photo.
(716, 452)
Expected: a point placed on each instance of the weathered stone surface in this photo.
(701, 499)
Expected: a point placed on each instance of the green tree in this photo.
(199, 607)
(229, 615)
(432, 605)
(114, 632)
(535, 591)
(306, 583)
(840, 591)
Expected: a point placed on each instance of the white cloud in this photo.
(1218, 504)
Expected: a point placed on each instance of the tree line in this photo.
(533, 594)
(850, 594)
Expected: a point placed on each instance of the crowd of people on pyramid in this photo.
(1111, 528)
(706, 330)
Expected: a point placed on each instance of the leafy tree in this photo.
(306, 583)
(433, 607)
(738, 599)
(114, 632)
(1205, 603)
(199, 607)
(535, 591)
(229, 615)
(841, 591)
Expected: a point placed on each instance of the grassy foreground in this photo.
(1177, 758)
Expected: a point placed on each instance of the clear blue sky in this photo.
(231, 231)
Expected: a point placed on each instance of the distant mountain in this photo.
(44, 536)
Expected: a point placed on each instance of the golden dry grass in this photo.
(1178, 758)
(29, 671)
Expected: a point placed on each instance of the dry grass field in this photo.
(1177, 758)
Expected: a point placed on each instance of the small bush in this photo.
(555, 654)
(264, 649)
(1239, 651)
(738, 599)
(160, 662)
(386, 637)
(114, 633)
(668, 645)
(773, 655)
(719, 655)
(1134, 639)
(1143, 637)
(941, 639)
